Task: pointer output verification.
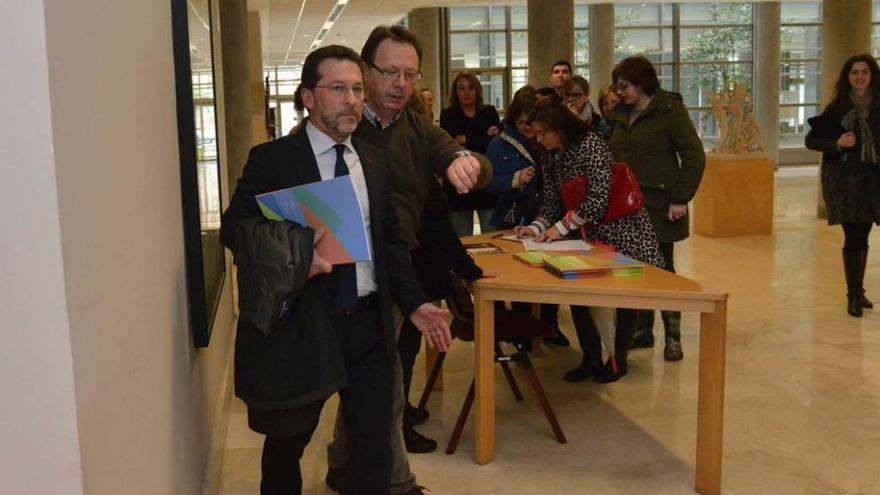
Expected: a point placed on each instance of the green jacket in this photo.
(667, 156)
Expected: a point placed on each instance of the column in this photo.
(846, 31)
(236, 84)
(551, 37)
(425, 23)
(765, 95)
(601, 47)
(255, 78)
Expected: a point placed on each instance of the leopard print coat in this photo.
(631, 235)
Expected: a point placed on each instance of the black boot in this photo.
(854, 271)
(672, 325)
(864, 301)
(644, 335)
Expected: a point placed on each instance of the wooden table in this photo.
(656, 290)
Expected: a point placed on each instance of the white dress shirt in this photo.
(325, 155)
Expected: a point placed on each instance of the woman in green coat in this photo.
(652, 132)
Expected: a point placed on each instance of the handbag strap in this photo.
(519, 147)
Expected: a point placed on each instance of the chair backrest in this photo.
(460, 303)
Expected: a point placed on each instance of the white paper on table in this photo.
(566, 245)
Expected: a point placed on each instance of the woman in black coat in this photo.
(472, 124)
(846, 133)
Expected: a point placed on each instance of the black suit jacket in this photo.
(300, 361)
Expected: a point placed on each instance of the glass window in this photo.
(519, 49)
(493, 88)
(581, 16)
(655, 44)
(465, 18)
(478, 50)
(643, 14)
(800, 72)
(518, 79)
(716, 44)
(519, 17)
(718, 13)
(699, 81)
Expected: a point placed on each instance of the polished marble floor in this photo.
(802, 398)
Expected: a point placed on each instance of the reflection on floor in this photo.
(802, 401)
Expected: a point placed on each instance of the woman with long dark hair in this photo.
(472, 124)
(846, 133)
(574, 150)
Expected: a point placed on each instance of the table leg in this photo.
(710, 408)
(484, 361)
(431, 358)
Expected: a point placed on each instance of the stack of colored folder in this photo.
(583, 265)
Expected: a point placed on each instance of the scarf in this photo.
(859, 114)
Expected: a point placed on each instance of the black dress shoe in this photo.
(416, 443)
(337, 479)
(559, 340)
(581, 373)
(413, 415)
(606, 373)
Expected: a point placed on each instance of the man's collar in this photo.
(373, 118)
(321, 142)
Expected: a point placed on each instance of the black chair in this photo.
(514, 327)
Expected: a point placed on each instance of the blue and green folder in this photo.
(331, 204)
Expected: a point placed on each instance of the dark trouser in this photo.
(591, 344)
(671, 319)
(365, 402)
(409, 344)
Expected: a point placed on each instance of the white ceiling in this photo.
(289, 27)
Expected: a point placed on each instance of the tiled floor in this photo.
(802, 398)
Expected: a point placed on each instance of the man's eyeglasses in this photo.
(622, 85)
(392, 75)
(574, 95)
(339, 90)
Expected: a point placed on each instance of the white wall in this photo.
(38, 433)
(146, 400)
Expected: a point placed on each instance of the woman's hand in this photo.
(493, 131)
(549, 235)
(461, 139)
(676, 211)
(524, 232)
(526, 175)
(846, 140)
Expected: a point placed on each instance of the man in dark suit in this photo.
(349, 303)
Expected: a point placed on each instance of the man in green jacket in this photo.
(653, 133)
(417, 151)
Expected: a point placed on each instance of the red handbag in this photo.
(626, 197)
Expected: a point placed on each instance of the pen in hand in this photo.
(522, 223)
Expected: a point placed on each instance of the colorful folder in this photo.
(331, 204)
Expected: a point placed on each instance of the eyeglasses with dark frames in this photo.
(392, 75)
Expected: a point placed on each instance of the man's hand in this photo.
(676, 212)
(319, 264)
(463, 173)
(431, 321)
(461, 139)
(493, 131)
